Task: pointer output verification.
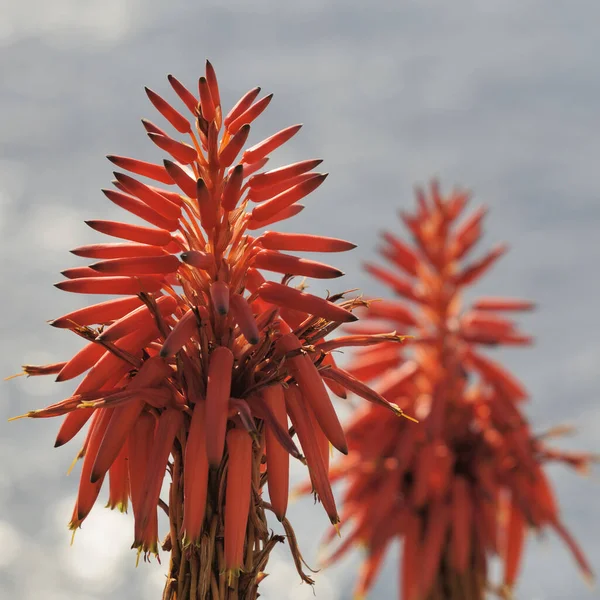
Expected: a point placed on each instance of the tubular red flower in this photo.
(195, 475)
(237, 499)
(468, 479)
(186, 359)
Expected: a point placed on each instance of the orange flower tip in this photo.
(110, 285)
(184, 153)
(211, 77)
(243, 103)
(229, 153)
(288, 213)
(150, 127)
(184, 94)
(206, 101)
(283, 175)
(285, 263)
(181, 178)
(60, 378)
(61, 323)
(249, 114)
(232, 189)
(195, 258)
(270, 144)
(141, 167)
(219, 292)
(177, 120)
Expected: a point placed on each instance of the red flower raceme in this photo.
(468, 482)
(195, 368)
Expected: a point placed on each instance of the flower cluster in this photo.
(195, 368)
(468, 482)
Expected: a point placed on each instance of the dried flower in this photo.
(195, 370)
(467, 482)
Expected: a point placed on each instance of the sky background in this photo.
(499, 97)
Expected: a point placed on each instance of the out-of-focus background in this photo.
(498, 96)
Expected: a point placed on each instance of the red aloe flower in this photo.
(467, 482)
(196, 368)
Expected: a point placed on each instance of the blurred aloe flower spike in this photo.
(468, 482)
(195, 368)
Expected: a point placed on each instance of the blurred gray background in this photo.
(499, 96)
